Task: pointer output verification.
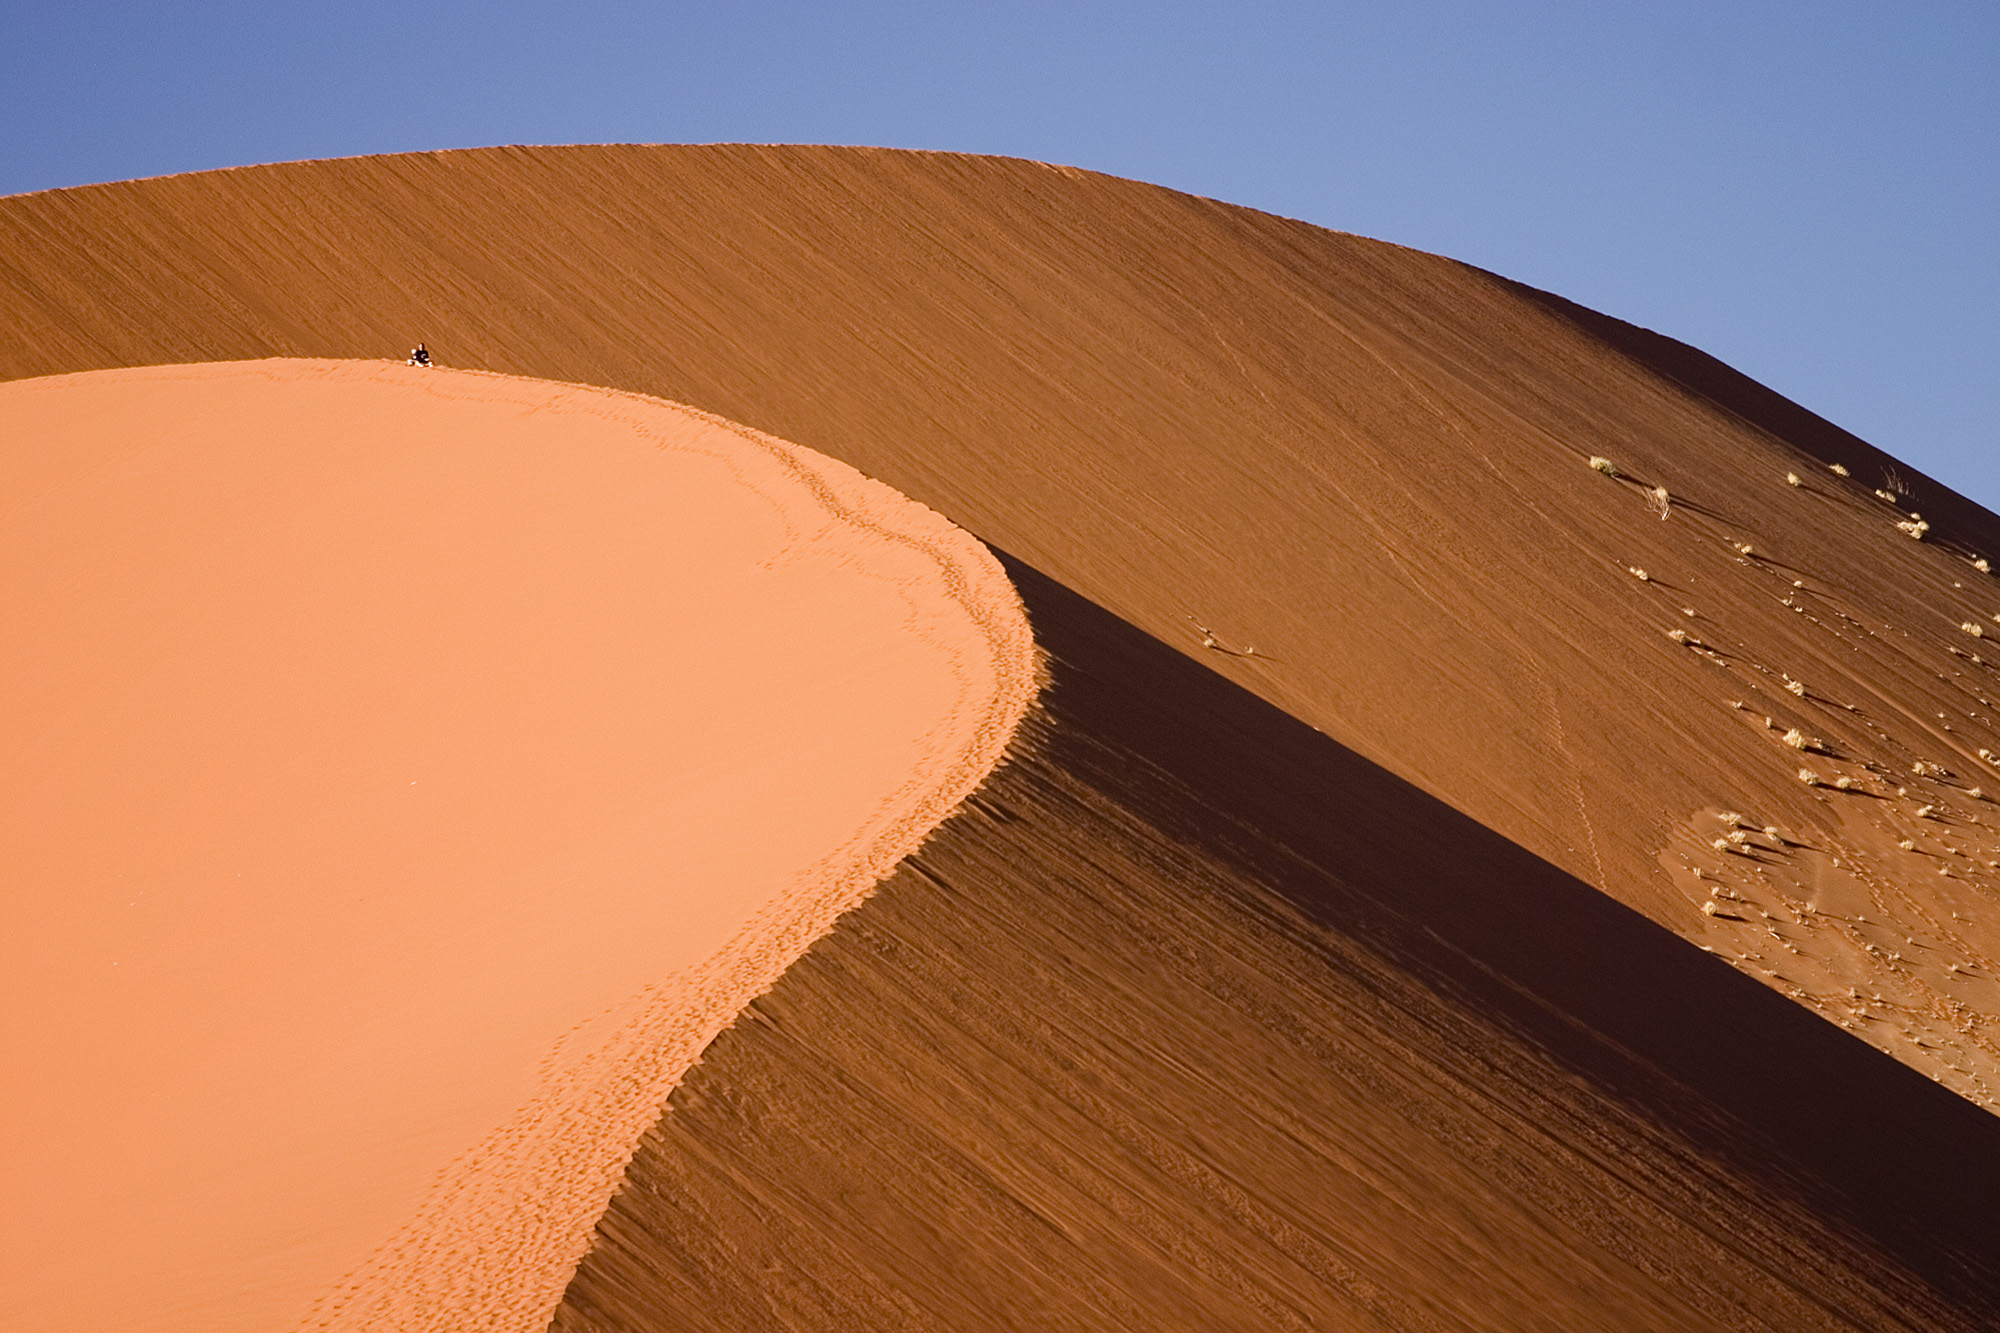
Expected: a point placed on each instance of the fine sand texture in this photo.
(407, 773)
(1196, 1019)
(1436, 664)
(1235, 431)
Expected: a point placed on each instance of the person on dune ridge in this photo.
(420, 356)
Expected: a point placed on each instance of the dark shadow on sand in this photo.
(1733, 1069)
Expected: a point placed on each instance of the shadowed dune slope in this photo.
(1272, 988)
(1197, 1019)
(1364, 462)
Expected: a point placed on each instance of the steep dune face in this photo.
(1276, 985)
(407, 774)
(1196, 1019)
(1367, 464)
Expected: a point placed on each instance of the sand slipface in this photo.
(408, 773)
(1369, 463)
(1285, 988)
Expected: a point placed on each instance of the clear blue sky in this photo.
(1809, 189)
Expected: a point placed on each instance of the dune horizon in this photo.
(1507, 841)
(410, 772)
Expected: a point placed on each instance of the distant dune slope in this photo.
(1366, 463)
(1269, 986)
(1196, 1019)
(406, 774)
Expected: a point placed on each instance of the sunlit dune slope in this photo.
(406, 774)
(1272, 985)
(1196, 1019)
(1367, 463)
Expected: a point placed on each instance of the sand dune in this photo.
(408, 773)
(1385, 1051)
(1197, 1019)
(1366, 462)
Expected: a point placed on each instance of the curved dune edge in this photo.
(502, 1231)
(494, 1241)
(1165, 377)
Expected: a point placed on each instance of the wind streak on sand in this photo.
(548, 724)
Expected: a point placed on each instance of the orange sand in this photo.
(1261, 990)
(406, 773)
(1367, 462)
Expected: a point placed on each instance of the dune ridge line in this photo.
(1561, 609)
(827, 562)
(496, 1242)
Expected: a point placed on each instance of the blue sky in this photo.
(1811, 191)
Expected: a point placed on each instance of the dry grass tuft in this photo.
(1604, 465)
(1839, 470)
(1662, 502)
(1678, 635)
(1797, 687)
(1810, 778)
(1983, 565)
(1639, 574)
(1974, 628)
(1792, 479)
(1798, 740)
(1914, 527)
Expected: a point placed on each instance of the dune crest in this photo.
(1349, 982)
(442, 759)
(1368, 462)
